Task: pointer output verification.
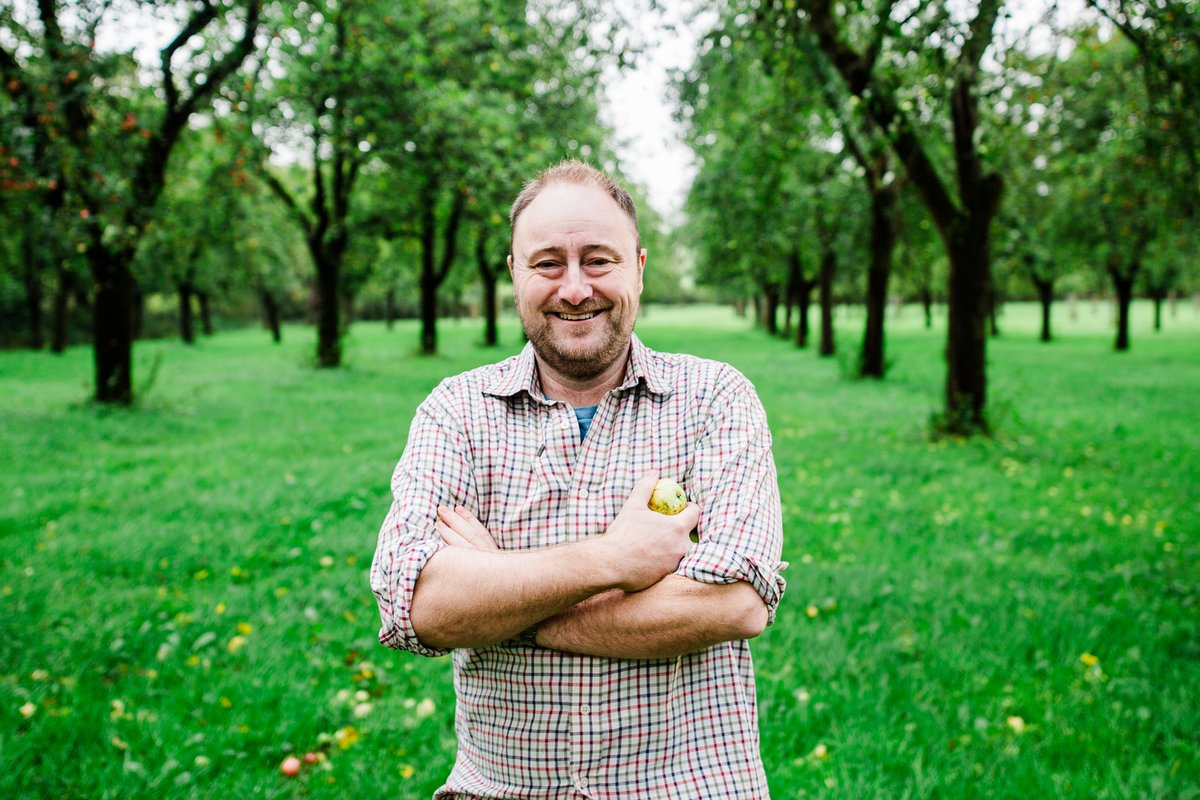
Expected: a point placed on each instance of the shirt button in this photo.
(581, 784)
(584, 492)
(585, 709)
(565, 425)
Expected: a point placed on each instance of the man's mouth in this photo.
(575, 317)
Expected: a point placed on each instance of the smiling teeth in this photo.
(577, 317)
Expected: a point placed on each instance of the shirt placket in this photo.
(589, 713)
(587, 728)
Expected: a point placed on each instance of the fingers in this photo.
(460, 527)
(474, 531)
(450, 536)
(640, 496)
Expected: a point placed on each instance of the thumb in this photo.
(642, 490)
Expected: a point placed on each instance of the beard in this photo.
(580, 358)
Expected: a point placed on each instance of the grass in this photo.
(184, 599)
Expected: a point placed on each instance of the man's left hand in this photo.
(459, 528)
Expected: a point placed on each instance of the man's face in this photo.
(577, 277)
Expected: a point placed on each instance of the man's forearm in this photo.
(674, 617)
(474, 598)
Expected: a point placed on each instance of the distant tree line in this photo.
(928, 149)
(323, 159)
(295, 156)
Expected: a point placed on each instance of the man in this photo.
(598, 652)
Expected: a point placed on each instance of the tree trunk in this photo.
(433, 273)
(803, 302)
(825, 288)
(883, 239)
(271, 312)
(329, 329)
(771, 308)
(927, 306)
(60, 324)
(112, 327)
(1158, 298)
(389, 307)
(1123, 284)
(187, 330)
(1045, 290)
(488, 279)
(429, 287)
(789, 302)
(966, 340)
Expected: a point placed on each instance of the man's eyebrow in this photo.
(558, 250)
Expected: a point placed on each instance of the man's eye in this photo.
(546, 265)
(600, 263)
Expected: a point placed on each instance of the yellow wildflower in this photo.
(346, 737)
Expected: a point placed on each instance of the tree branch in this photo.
(882, 105)
(198, 22)
(450, 237)
(221, 70)
(487, 269)
(981, 31)
(280, 191)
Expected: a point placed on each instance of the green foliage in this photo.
(184, 596)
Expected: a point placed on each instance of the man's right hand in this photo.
(645, 545)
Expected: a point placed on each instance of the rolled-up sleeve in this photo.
(735, 483)
(434, 470)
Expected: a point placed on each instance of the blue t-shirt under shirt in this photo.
(584, 414)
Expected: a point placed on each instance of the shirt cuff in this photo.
(710, 562)
(393, 584)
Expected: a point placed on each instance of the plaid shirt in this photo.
(538, 723)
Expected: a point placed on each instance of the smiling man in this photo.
(598, 652)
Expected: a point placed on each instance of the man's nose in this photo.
(575, 286)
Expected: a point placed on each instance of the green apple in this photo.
(668, 497)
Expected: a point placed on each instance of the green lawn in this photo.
(184, 598)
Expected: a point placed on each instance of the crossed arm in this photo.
(612, 595)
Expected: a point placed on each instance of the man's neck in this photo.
(579, 393)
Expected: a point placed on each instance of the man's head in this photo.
(576, 266)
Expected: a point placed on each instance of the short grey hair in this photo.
(582, 174)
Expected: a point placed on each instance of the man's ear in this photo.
(510, 265)
(641, 269)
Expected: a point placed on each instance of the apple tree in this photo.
(113, 177)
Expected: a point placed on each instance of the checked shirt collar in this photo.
(521, 375)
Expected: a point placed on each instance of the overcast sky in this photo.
(639, 108)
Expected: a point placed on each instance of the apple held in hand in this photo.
(668, 497)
